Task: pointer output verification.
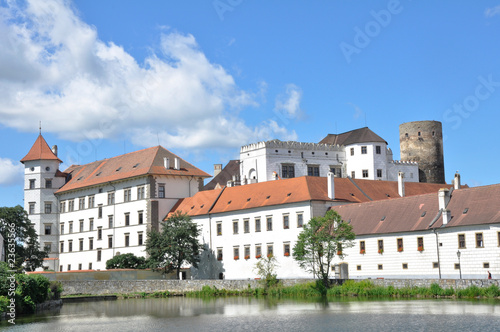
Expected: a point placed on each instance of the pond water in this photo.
(251, 314)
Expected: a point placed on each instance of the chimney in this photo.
(456, 181)
(166, 162)
(275, 176)
(177, 163)
(229, 183)
(54, 149)
(331, 185)
(217, 169)
(446, 216)
(443, 198)
(401, 184)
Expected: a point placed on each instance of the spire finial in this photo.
(40, 127)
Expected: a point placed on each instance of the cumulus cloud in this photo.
(490, 12)
(54, 68)
(288, 103)
(10, 172)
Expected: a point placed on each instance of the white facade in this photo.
(370, 161)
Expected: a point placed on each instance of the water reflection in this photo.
(271, 314)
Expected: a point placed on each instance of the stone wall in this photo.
(103, 287)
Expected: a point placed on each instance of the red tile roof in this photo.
(40, 151)
(421, 212)
(300, 189)
(139, 163)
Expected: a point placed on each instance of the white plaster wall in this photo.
(409, 168)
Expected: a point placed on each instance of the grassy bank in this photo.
(353, 288)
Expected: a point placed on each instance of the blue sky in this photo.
(204, 77)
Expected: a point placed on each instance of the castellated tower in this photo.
(422, 141)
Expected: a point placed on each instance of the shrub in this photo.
(126, 261)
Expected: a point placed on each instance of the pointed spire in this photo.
(40, 151)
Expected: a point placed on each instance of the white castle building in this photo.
(359, 153)
(90, 213)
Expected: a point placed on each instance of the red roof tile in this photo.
(139, 163)
(40, 151)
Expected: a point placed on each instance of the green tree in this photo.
(321, 239)
(17, 230)
(176, 245)
(266, 270)
(126, 261)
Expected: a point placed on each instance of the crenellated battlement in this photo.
(290, 145)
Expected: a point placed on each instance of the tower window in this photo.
(419, 134)
(48, 183)
(32, 183)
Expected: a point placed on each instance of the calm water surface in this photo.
(249, 314)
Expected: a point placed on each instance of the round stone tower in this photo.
(422, 141)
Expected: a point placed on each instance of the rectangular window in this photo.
(313, 170)
(60, 268)
(486, 265)
(69, 267)
(62, 207)
(257, 225)
(47, 246)
(269, 223)
(362, 248)
(461, 241)
(91, 243)
(110, 241)
(91, 201)
(405, 266)
(139, 239)
(457, 266)
(363, 150)
(378, 150)
(358, 267)
(219, 254)
(98, 255)
(236, 253)
(479, 240)
(287, 171)
(90, 266)
(286, 249)
(353, 174)
(80, 266)
(235, 227)
(435, 265)
(246, 225)
(81, 203)
(498, 236)
(99, 211)
(32, 183)
(81, 245)
(127, 239)
(111, 198)
(81, 225)
(380, 267)
(270, 251)
(48, 183)
(110, 221)
(70, 227)
(48, 229)
(352, 151)
(258, 251)
(141, 218)
(420, 243)
(48, 208)
(300, 220)
(62, 228)
(61, 246)
(99, 233)
(127, 195)
(286, 222)
(70, 245)
(32, 208)
(380, 246)
(365, 173)
(247, 252)
(161, 191)
(219, 228)
(400, 244)
(379, 173)
(127, 219)
(71, 205)
(140, 192)
(91, 224)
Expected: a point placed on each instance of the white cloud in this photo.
(288, 103)
(358, 112)
(490, 12)
(10, 172)
(54, 68)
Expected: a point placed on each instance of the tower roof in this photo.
(40, 151)
(361, 135)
